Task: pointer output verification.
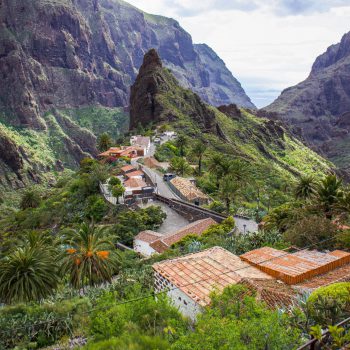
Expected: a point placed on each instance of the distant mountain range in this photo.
(318, 109)
(66, 67)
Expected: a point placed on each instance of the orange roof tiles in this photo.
(199, 274)
(148, 236)
(126, 168)
(297, 267)
(134, 174)
(187, 188)
(135, 183)
(196, 228)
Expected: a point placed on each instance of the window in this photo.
(180, 298)
(185, 302)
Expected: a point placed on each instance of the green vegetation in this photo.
(317, 218)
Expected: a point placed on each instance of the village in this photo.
(277, 277)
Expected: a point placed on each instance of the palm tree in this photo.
(27, 274)
(329, 194)
(30, 199)
(181, 142)
(228, 190)
(214, 167)
(104, 142)
(180, 166)
(306, 188)
(91, 257)
(199, 150)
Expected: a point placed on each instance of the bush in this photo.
(312, 230)
(131, 342)
(329, 305)
(40, 325)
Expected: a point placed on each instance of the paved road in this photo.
(173, 221)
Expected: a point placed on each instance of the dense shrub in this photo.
(329, 305)
(40, 325)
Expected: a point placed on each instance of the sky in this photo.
(268, 45)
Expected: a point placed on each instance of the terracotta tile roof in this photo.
(275, 294)
(148, 236)
(128, 168)
(196, 228)
(134, 174)
(341, 274)
(199, 274)
(187, 188)
(135, 183)
(109, 151)
(296, 267)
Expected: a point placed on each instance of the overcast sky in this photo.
(268, 45)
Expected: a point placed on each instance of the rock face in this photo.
(59, 55)
(318, 108)
(83, 52)
(155, 87)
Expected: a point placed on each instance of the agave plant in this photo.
(28, 273)
(90, 258)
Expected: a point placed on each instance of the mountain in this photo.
(277, 156)
(66, 68)
(318, 109)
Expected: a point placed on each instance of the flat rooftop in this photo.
(293, 268)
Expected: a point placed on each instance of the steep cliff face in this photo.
(156, 91)
(68, 64)
(317, 109)
(75, 53)
(157, 97)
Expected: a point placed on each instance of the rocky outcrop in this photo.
(157, 97)
(231, 111)
(318, 108)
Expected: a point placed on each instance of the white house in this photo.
(189, 280)
(148, 243)
(143, 142)
(143, 241)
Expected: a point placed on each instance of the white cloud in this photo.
(268, 45)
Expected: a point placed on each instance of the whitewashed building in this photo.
(189, 280)
(143, 142)
(148, 243)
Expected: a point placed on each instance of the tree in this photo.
(117, 191)
(228, 190)
(113, 181)
(30, 199)
(180, 166)
(215, 167)
(236, 321)
(312, 229)
(329, 194)
(27, 274)
(306, 188)
(181, 143)
(199, 150)
(104, 142)
(91, 258)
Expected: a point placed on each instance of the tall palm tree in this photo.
(199, 150)
(306, 188)
(91, 257)
(26, 274)
(329, 194)
(181, 142)
(228, 190)
(104, 142)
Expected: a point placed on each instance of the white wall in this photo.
(187, 306)
(143, 248)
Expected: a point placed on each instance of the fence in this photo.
(315, 344)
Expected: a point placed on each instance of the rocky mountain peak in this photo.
(334, 54)
(151, 60)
